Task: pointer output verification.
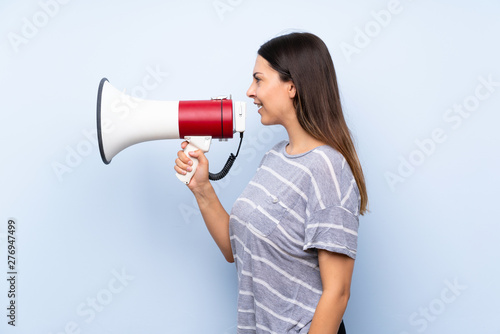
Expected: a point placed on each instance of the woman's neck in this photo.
(299, 141)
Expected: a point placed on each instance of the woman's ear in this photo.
(291, 89)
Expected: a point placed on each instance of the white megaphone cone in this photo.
(123, 120)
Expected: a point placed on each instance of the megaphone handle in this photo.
(194, 143)
(185, 178)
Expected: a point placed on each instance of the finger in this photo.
(195, 154)
(184, 158)
(182, 165)
(184, 144)
(198, 154)
(180, 171)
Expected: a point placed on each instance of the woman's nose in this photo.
(251, 91)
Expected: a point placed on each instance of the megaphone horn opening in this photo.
(99, 128)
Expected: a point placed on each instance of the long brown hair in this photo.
(303, 58)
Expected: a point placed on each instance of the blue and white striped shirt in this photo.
(294, 205)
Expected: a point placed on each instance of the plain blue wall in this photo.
(122, 249)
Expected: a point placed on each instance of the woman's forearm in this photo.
(216, 219)
(329, 313)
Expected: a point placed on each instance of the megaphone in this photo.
(123, 120)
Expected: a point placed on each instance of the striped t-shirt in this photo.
(294, 205)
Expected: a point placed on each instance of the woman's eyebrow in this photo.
(255, 74)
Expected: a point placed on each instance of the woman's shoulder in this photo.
(330, 165)
(327, 156)
(333, 175)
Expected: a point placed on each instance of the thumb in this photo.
(198, 154)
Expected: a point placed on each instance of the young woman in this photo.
(293, 231)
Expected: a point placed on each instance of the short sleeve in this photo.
(333, 205)
(334, 229)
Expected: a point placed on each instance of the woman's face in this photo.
(273, 96)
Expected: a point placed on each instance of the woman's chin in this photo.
(264, 121)
(268, 123)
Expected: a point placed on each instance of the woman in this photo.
(293, 231)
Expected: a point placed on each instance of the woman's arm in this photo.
(336, 273)
(215, 216)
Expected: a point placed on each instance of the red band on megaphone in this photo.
(206, 118)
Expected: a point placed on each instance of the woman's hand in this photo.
(183, 164)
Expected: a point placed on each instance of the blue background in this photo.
(428, 258)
